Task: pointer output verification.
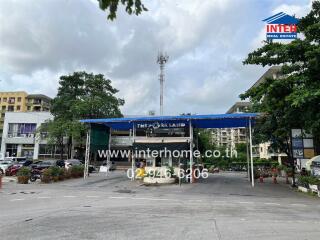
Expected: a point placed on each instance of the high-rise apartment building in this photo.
(22, 102)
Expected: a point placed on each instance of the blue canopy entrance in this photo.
(236, 120)
(197, 121)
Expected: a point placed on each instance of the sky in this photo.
(206, 41)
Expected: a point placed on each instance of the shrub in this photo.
(66, 173)
(46, 176)
(61, 174)
(306, 180)
(55, 173)
(24, 172)
(77, 171)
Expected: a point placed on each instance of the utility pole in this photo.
(162, 60)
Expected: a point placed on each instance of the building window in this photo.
(11, 150)
(29, 108)
(19, 99)
(2, 115)
(18, 108)
(3, 108)
(5, 99)
(0, 100)
(22, 129)
(37, 101)
(10, 108)
(12, 100)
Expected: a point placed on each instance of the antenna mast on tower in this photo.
(162, 60)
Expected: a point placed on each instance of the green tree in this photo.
(131, 6)
(81, 95)
(293, 100)
(56, 130)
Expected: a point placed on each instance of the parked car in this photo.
(72, 162)
(112, 165)
(92, 168)
(4, 165)
(44, 164)
(15, 166)
(16, 159)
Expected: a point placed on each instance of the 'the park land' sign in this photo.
(281, 26)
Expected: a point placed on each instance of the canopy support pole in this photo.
(191, 147)
(248, 154)
(251, 157)
(87, 156)
(133, 155)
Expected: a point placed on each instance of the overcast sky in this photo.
(207, 40)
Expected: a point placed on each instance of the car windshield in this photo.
(74, 161)
(5, 163)
(47, 163)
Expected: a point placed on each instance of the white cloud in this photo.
(206, 40)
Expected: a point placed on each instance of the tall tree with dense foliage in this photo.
(293, 100)
(131, 6)
(81, 95)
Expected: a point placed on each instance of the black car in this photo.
(44, 164)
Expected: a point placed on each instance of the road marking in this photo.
(92, 196)
(298, 204)
(118, 197)
(246, 202)
(270, 203)
(17, 199)
(153, 199)
(69, 196)
(44, 197)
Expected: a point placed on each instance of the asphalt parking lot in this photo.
(224, 206)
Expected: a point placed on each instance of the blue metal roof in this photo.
(197, 121)
(281, 18)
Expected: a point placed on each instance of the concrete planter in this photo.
(302, 189)
(313, 188)
(151, 180)
(23, 179)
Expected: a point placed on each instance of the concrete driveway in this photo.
(224, 206)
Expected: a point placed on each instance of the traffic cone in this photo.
(275, 180)
(261, 179)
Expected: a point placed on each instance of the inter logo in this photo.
(281, 26)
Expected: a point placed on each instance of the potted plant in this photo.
(55, 172)
(274, 175)
(303, 183)
(76, 171)
(66, 173)
(284, 172)
(46, 176)
(23, 174)
(61, 174)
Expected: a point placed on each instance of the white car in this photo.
(4, 166)
(71, 162)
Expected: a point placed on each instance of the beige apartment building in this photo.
(230, 137)
(21, 101)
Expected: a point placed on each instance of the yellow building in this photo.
(22, 102)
